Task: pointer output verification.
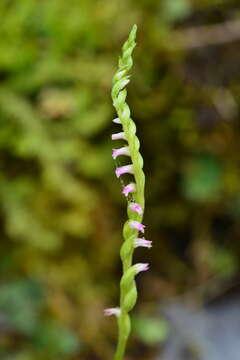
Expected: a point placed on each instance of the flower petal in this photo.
(112, 311)
(141, 267)
(137, 225)
(117, 121)
(119, 136)
(127, 169)
(129, 189)
(141, 242)
(136, 207)
(121, 151)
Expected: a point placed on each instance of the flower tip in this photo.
(134, 29)
(148, 244)
(114, 153)
(118, 172)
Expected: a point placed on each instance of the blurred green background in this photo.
(61, 209)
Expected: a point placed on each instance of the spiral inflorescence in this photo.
(134, 192)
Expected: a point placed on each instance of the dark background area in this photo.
(61, 207)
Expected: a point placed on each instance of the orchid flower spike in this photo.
(128, 289)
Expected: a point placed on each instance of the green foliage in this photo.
(56, 341)
(202, 178)
(223, 262)
(151, 331)
(22, 305)
(20, 302)
(175, 10)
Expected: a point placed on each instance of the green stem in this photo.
(124, 327)
(122, 339)
(128, 291)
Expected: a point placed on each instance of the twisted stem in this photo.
(128, 290)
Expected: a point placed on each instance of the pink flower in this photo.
(136, 207)
(127, 169)
(119, 136)
(117, 121)
(112, 311)
(143, 242)
(129, 189)
(122, 151)
(141, 267)
(137, 225)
